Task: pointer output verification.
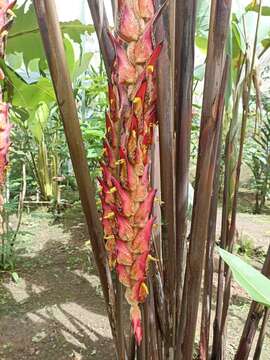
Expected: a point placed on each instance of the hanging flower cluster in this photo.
(126, 195)
(4, 140)
(6, 19)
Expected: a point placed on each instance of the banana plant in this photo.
(31, 94)
(24, 37)
(36, 124)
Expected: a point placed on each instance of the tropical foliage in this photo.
(187, 102)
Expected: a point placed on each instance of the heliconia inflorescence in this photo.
(6, 19)
(126, 194)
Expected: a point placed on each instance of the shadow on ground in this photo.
(55, 311)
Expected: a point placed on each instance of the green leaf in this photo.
(255, 8)
(199, 72)
(38, 120)
(202, 17)
(256, 284)
(33, 66)
(201, 42)
(29, 95)
(93, 133)
(15, 277)
(42, 114)
(238, 40)
(70, 55)
(75, 29)
(202, 24)
(266, 43)
(14, 60)
(24, 36)
(92, 154)
(82, 65)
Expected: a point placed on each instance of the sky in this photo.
(67, 11)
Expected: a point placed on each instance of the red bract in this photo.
(4, 141)
(139, 160)
(126, 71)
(123, 274)
(145, 209)
(129, 28)
(138, 268)
(111, 132)
(144, 47)
(107, 227)
(135, 315)
(139, 292)
(124, 255)
(139, 101)
(6, 20)
(107, 211)
(146, 9)
(112, 102)
(111, 159)
(127, 197)
(142, 188)
(132, 177)
(141, 243)
(126, 204)
(107, 176)
(110, 244)
(125, 229)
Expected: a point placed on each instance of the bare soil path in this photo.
(255, 228)
(56, 310)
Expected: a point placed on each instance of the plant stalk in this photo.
(97, 9)
(167, 155)
(256, 312)
(219, 23)
(211, 237)
(261, 338)
(183, 48)
(54, 48)
(230, 235)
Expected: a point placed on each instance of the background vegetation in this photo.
(41, 172)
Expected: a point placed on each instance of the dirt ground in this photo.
(255, 228)
(56, 310)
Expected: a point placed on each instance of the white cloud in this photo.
(67, 11)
